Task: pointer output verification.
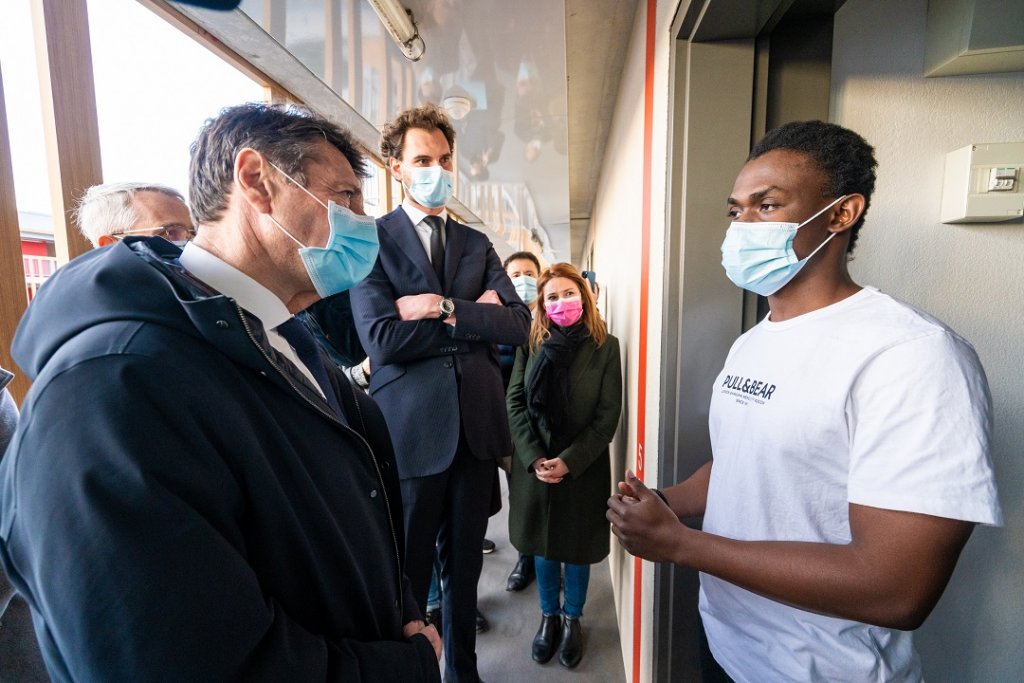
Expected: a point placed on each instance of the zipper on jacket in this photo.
(334, 418)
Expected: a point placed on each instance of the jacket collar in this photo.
(233, 330)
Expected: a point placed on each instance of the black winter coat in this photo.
(180, 504)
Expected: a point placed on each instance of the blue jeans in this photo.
(434, 592)
(549, 575)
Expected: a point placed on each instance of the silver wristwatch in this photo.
(447, 307)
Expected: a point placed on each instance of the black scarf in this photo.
(547, 387)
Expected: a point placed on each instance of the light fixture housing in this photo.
(401, 26)
(457, 106)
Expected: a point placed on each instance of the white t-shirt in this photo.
(866, 401)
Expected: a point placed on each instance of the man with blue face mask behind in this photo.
(193, 491)
(429, 316)
(850, 437)
(523, 268)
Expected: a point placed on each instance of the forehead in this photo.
(790, 171)
(420, 141)
(521, 264)
(328, 166)
(157, 208)
(559, 284)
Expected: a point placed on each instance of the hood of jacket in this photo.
(136, 280)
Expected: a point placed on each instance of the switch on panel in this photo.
(1002, 179)
(983, 184)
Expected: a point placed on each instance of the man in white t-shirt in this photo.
(850, 435)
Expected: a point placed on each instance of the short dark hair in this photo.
(522, 255)
(426, 117)
(846, 159)
(285, 134)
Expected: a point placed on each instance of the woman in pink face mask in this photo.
(564, 400)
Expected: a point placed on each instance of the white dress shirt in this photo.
(423, 228)
(247, 293)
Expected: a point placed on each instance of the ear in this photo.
(395, 166)
(846, 213)
(105, 241)
(253, 181)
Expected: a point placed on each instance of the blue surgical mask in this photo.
(430, 186)
(759, 256)
(526, 288)
(350, 253)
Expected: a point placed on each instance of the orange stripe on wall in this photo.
(645, 265)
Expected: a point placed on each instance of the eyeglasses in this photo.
(171, 233)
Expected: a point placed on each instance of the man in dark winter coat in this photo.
(193, 494)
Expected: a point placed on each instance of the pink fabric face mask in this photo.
(564, 312)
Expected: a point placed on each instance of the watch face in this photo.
(447, 306)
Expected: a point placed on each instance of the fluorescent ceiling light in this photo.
(399, 23)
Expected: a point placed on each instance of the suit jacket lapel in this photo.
(455, 244)
(401, 229)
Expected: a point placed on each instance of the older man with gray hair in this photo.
(109, 212)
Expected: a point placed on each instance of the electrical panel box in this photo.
(984, 183)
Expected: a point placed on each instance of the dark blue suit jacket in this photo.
(427, 376)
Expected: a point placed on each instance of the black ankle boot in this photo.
(572, 643)
(546, 640)
(522, 574)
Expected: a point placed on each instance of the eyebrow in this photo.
(754, 196)
(341, 185)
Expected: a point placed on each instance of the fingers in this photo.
(550, 470)
(428, 631)
(412, 628)
(620, 503)
(624, 539)
(547, 476)
(640, 489)
(435, 639)
(489, 297)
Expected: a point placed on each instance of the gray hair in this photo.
(286, 135)
(108, 209)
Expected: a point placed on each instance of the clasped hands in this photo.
(427, 306)
(645, 526)
(550, 471)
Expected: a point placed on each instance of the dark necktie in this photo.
(306, 349)
(436, 246)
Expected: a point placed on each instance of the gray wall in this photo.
(969, 276)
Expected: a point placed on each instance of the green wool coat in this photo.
(566, 521)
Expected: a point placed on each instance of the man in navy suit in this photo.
(429, 316)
